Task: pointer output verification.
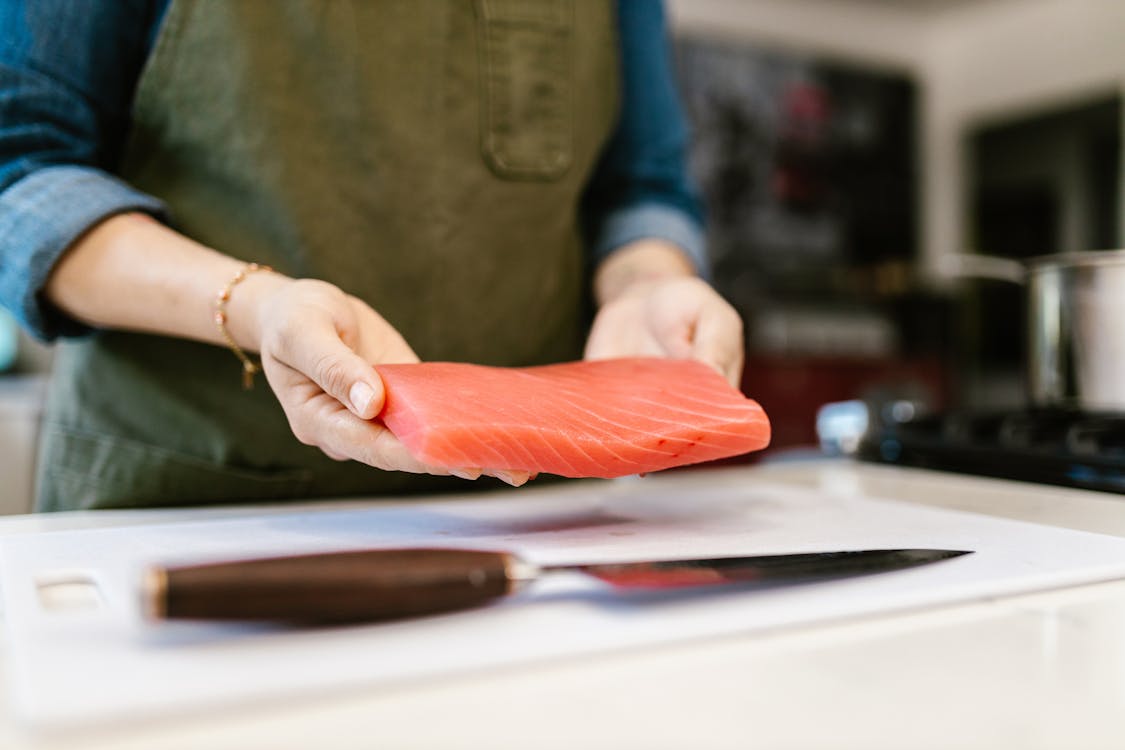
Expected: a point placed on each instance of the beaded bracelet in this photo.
(249, 366)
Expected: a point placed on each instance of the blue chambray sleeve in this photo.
(67, 73)
(640, 188)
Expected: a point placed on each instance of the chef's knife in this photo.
(368, 585)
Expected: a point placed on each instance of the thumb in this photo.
(350, 380)
(325, 359)
(718, 342)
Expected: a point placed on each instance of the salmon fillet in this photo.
(607, 418)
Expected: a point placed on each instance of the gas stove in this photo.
(1069, 448)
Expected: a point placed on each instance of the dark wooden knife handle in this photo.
(336, 587)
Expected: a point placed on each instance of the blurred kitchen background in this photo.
(851, 152)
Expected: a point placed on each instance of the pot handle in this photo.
(974, 266)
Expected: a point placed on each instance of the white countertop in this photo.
(1033, 671)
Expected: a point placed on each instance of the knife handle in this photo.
(336, 587)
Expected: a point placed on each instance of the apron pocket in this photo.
(81, 471)
(526, 59)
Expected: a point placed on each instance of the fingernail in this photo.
(514, 478)
(469, 474)
(360, 396)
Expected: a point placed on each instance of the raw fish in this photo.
(606, 418)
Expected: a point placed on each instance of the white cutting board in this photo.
(72, 668)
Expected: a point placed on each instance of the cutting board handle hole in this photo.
(68, 592)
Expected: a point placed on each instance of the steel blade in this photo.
(773, 569)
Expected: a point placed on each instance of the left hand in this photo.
(651, 308)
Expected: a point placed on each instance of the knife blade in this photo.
(386, 584)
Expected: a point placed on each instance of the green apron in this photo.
(426, 156)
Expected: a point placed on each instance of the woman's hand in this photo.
(318, 345)
(652, 304)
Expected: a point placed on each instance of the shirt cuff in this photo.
(652, 221)
(41, 216)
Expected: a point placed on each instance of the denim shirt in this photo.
(68, 70)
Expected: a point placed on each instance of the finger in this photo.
(319, 420)
(514, 477)
(370, 443)
(599, 342)
(718, 341)
(378, 342)
(623, 331)
(320, 354)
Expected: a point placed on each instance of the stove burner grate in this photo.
(1068, 448)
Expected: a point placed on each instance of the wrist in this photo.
(248, 305)
(639, 263)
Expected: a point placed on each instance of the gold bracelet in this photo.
(249, 366)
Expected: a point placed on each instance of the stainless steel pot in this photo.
(1076, 325)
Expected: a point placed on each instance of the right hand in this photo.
(318, 345)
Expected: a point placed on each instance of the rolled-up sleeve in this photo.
(641, 188)
(67, 74)
(41, 216)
